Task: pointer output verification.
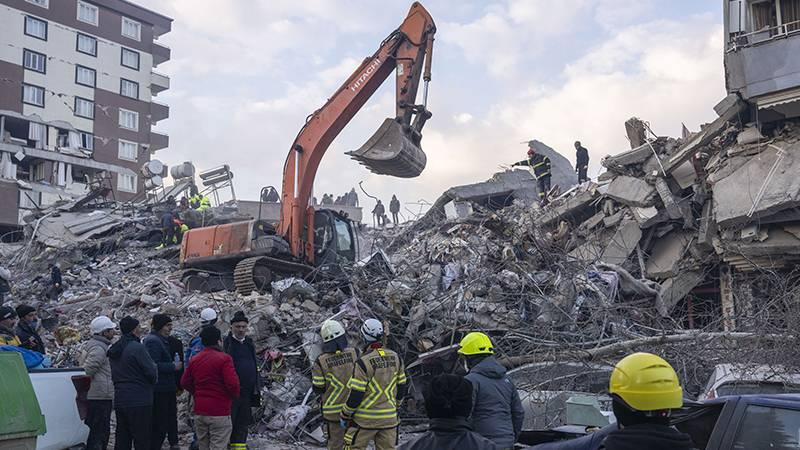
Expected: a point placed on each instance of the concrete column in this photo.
(726, 295)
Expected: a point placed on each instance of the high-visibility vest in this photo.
(332, 372)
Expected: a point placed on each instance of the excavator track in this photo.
(250, 275)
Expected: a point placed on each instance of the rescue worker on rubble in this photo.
(581, 162)
(539, 165)
(330, 374)
(448, 403)
(8, 319)
(644, 390)
(378, 213)
(373, 417)
(394, 208)
(497, 413)
(168, 231)
(199, 202)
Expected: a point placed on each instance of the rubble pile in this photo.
(604, 269)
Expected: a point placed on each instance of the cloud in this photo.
(247, 115)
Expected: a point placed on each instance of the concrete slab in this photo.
(589, 252)
(676, 288)
(737, 194)
(667, 254)
(572, 209)
(644, 216)
(778, 243)
(631, 191)
(670, 204)
(728, 110)
(622, 244)
(638, 155)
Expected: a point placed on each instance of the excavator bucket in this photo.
(392, 150)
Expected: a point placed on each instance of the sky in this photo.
(245, 75)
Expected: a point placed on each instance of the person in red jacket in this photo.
(211, 378)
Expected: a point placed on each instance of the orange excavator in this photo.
(249, 255)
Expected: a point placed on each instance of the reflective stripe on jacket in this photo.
(332, 372)
(376, 374)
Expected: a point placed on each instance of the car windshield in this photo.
(756, 388)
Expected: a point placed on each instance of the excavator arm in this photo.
(393, 150)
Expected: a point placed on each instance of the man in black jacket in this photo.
(243, 351)
(134, 374)
(540, 167)
(581, 162)
(27, 329)
(448, 402)
(165, 409)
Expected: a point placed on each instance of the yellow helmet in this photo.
(646, 383)
(476, 344)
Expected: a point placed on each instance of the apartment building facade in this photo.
(762, 41)
(77, 99)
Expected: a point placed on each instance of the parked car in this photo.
(737, 422)
(740, 379)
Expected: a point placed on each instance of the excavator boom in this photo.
(393, 150)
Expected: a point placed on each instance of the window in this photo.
(85, 76)
(84, 108)
(128, 88)
(87, 44)
(87, 13)
(33, 95)
(36, 28)
(34, 61)
(790, 14)
(42, 3)
(129, 119)
(777, 429)
(131, 29)
(130, 58)
(87, 140)
(127, 150)
(126, 183)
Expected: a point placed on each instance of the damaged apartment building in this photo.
(77, 106)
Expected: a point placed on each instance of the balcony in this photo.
(158, 83)
(158, 111)
(158, 141)
(161, 54)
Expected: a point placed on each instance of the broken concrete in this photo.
(676, 288)
(667, 255)
(631, 191)
(622, 244)
(761, 187)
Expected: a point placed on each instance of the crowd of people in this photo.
(139, 376)
(346, 199)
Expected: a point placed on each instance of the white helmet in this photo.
(331, 329)
(100, 324)
(207, 316)
(372, 330)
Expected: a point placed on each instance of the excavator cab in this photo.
(393, 150)
(335, 239)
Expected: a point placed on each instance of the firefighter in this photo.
(644, 390)
(539, 165)
(378, 382)
(198, 201)
(330, 374)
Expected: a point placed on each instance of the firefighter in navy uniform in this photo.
(378, 381)
(540, 167)
(330, 374)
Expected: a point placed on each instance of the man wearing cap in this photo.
(211, 378)
(165, 409)
(134, 374)
(27, 329)
(448, 402)
(243, 351)
(8, 318)
(101, 391)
